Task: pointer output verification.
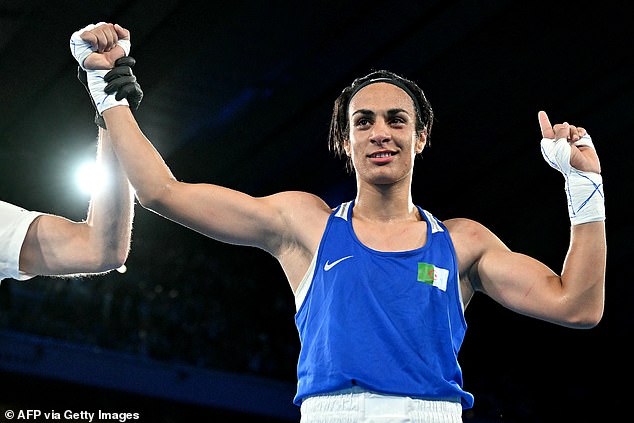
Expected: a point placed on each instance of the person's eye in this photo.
(362, 122)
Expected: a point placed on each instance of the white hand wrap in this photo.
(81, 50)
(583, 189)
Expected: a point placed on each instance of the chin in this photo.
(384, 178)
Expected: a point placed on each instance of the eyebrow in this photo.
(390, 112)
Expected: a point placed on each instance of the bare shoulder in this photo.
(465, 229)
(470, 239)
(304, 217)
(299, 203)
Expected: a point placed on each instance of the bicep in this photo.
(519, 282)
(55, 246)
(224, 214)
(514, 280)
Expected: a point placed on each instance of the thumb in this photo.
(122, 33)
(545, 126)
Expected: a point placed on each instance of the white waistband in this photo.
(358, 405)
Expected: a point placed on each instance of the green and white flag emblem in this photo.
(432, 275)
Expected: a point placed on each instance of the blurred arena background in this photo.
(240, 94)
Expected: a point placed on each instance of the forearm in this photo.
(583, 273)
(570, 150)
(145, 167)
(110, 214)
(57, 246)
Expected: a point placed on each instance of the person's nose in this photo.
(380, 133)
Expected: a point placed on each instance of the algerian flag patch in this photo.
(433, 275)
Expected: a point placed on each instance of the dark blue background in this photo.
(240, 94)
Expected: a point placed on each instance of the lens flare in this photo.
(90, 177)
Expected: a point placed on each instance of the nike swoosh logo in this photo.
(328, 265)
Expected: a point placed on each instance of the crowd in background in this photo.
(186, 306)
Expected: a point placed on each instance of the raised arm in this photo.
(58, 246)
(576, 297)
(274, 223)
(218, 212)
(54, 245)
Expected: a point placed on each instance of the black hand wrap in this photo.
(121, 81)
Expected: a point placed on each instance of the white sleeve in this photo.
(14, 223)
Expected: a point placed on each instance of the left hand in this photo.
(122, 82)
(582, 158)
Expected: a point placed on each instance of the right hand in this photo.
(103, 39)
(582, 156)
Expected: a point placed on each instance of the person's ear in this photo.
(346, 147)
(421, 142)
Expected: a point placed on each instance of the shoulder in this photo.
(303, 215)
(471, 239)
(465, 228)
(304, 219)
(298, 202)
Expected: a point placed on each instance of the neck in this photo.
(385, 203)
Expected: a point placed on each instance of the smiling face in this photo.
(383, 141)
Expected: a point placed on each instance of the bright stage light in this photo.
(90, 177)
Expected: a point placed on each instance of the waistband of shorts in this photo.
(357, 400)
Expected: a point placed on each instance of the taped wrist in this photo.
(585, 197)
(584, 190)
(97, 85)
(83, 78)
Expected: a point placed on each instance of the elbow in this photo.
(146, 200)
(118, 259)
(591, 321)
(111, 261)
(155, 198)
(582, 310)
(585, 319)
(107, 254)
(118, 254)
(114, 252)
(583, 324)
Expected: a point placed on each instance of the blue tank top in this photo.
(390, 322)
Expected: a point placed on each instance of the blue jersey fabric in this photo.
(390, 322)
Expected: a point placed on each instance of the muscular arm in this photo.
(288, 225)
(57, 246)
(223, 214)
(574, 299)
(270, 223)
